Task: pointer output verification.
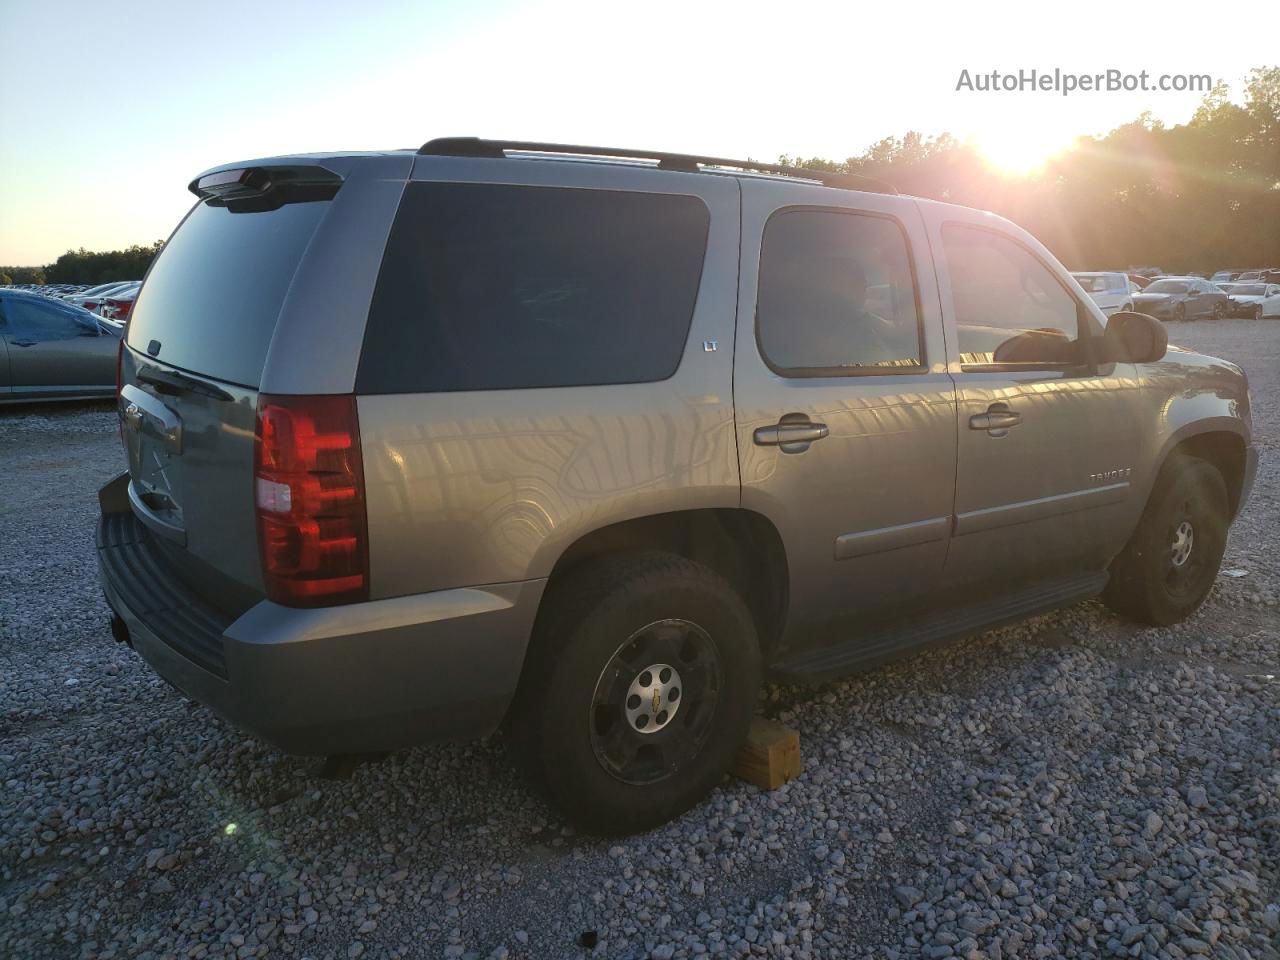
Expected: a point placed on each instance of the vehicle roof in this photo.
(797, 176)
(40, 298)
(347, 158)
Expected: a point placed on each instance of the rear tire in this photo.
(1258, 312)
(1170, 563)
(639, 689)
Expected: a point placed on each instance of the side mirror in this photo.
(1134, 338)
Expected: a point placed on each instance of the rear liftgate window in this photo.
(211, 301)
(491, 287)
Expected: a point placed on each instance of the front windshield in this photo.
(1167, 286)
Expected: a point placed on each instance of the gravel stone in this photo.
(1072, 786)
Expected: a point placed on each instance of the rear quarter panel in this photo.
(472, 488)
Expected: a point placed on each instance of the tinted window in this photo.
(1167, 286)
(1092, 284)
(1009, 308)
(489, 287)
(215, 291)
(40, 320)
(836, 293)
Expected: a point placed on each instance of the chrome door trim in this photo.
(976, 521)
(891, 538)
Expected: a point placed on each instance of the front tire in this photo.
(1258, 312)
(639, 689)
(1169, 565)
(1219, 312)
(1180, 312)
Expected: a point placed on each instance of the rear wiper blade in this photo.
(169, 381)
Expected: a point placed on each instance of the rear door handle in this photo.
(996, 421)
(793, 433)
(24, 343)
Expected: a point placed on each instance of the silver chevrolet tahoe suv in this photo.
(582, 442)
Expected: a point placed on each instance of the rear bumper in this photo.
(352, 679)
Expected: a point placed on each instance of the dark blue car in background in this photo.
(50, 350)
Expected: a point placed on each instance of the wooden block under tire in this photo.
(770, 756)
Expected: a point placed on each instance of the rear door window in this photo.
(837, 295)
(214, 293)
(492, 286)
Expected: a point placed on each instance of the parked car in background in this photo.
(1139, 279)
(586, 446)
(95, 293)
(1182, 298)
(1255, 300)
(127, 289)
(1110, 291)
(54, 350)
(118, 307)
(1149, 272)
(1223, 276)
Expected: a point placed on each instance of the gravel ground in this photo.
(1071, 786)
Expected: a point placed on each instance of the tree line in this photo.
(87, 266)
(1198, 196)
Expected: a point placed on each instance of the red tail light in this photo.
(117, 309)
(309, 493)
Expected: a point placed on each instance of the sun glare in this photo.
(1019, 151)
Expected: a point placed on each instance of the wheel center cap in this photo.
(1183, 539)
(653, 698)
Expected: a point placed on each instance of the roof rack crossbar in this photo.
(685, 162)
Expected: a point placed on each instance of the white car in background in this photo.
(1110, 291)
(1255, 300)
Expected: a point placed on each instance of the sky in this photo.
(109, 109)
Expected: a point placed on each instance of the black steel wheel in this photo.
(638, 690)
(655, 701)
(1170, 563)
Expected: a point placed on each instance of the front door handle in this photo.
(996, 421)
(24, 343)
(793, 433)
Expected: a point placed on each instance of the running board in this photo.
(886, 643)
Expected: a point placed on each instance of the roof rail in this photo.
(685, 162)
